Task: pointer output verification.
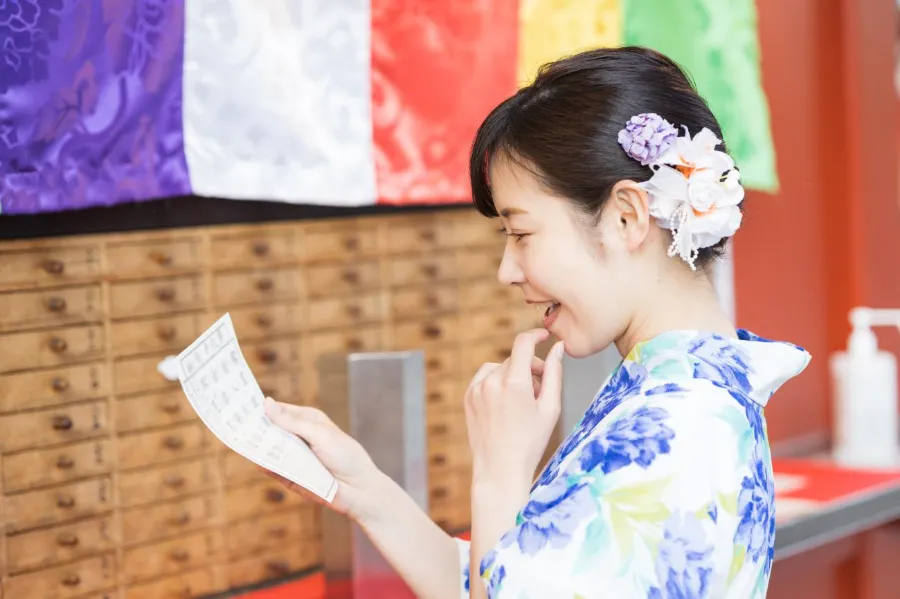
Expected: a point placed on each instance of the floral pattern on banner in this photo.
(664, 490)
(90, 103)
(438, 69)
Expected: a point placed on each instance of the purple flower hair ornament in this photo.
(646, 137)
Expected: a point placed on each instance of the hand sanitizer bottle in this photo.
(864, 378)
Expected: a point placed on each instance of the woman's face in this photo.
(576, 274)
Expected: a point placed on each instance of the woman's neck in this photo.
(679, 301)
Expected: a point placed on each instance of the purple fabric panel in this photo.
(90, 103)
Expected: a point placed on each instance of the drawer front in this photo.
(441, 362)
(488, 293)
(413, 235)
(284, 386)
(276, 564)
(409, 303)
(153, 411)
(58, 505)
(362, 339)
(271, 532)
(149, 298)
(479, 264)
(260, 322)
(153, 258)
(31, 430)
(197, 583)
(475, 231)
(271, 356)
(345, 311)
(43, 467)
(490, 323)
(154, 447)
(65, 582)
(57, 347)
(416, 334)
(239, 471)
(342, 244)
(50, 308)
(152, 485)
(446, 427)
(445, 394)
(135, 375)
(170, 556)
(259, 498)
(421, 270)
(172, 333)
(44, 267)
(48, 547)
(334, 280)
(255, 287)
(60, 386)
(487, 350)
(255, 250)
(449, 458)
(145, 524)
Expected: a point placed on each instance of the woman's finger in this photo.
(310, 424)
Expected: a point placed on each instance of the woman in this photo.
(615, 193)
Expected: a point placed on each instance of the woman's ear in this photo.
(629, 205)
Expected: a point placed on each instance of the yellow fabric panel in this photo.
(551, 29)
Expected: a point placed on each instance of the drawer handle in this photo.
(71, 580)
(58, 345)
(166, 294)
(275, 495)
(430, 270)
(65, 501)
(62, 423)
(53, 266)
(354, 344)
(263, 321)
(170, 407)
(435, 396)
(265, 284)
(267, 356)
(351, 244)
(166, 333)
(439, 460)
(504, 322)
(162, 258)
(278, 532)
(350, 276)
(260, 249)
(67, 539)
(502, 354)
(173, 480)
(173, 442)
(279, 567)
(64, 462)
(432, 332)
(56, 304)
(432, 301)
(433, 363)
(181, 519)
(427, 235)
(59, 384)
(354, 311)
(180, 555)
(439, 429)
(439, 493)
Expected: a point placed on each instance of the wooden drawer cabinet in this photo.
(110, 485)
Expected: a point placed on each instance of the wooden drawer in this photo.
(153, 411)
(421, 269)
(159, 446)
(413, 235)
(416, 334)
(488, 293)
(449, 458)
(445, 394)
(271, 356)
(275, 564)
(239, 471)
(196, 583)
(50, 308)
(472, 230)
(260, 322)
(478, 263)
(145, 524)
(410, 303)
(135, 375)
(441, 362)
(259, 498)
(491, 324)
(172, 333)
(64, 424)
(57, 347)
(363, 338)
(333, 280)
(153, 258)
(173, 481)
(59, 386)
(65, 582)
(446, 427)
(259, 287)
(254, 250)
(58, 505)
(345, 311)
(160, 296)
(271, 531)
(486, 350)
(49, 266)
(285, 386)
(43, 467)
(173, 555)
(341, 244)
(51, 546)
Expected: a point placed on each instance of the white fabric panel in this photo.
(277, 101)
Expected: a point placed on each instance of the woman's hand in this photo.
(357, 476)
(511, 411)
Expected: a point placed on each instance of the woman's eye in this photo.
(517, 236)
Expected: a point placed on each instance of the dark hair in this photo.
(564, 126)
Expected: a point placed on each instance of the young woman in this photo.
(609, 177)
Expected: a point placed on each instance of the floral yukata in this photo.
(664, 489)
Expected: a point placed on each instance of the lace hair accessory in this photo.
(695, 189)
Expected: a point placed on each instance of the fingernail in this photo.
(559, 349)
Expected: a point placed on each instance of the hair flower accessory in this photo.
(695, 190)
(646, 137)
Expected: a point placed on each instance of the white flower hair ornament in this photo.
(695, 189)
